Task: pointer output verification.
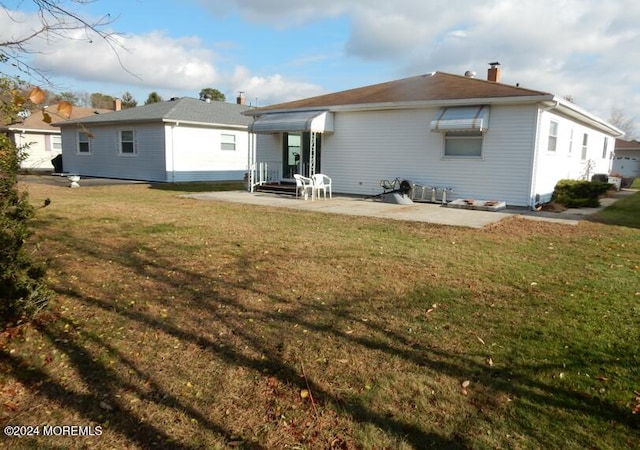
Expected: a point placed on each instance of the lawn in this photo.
(188, 324)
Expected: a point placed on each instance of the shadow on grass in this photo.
(200, 186)
(206, 291)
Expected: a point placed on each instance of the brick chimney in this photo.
(240, 99)
(117, 104)
(494, 72)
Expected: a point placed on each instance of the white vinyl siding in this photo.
(549, 169)
(381, 145)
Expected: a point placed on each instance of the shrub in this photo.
(22, 289)
(579, 193)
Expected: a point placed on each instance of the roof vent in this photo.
(470, 74)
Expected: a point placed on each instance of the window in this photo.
(585, 141)
(84, 144)
(553, 136)
(462, 144)
(56, 143)
(604, 148)
(571, 141)
(127, 142)
(228, 142)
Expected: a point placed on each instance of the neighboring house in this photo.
(627, 159)
(484, 139)
(42, 141)
(182, 139)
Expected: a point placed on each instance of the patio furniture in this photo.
(322, 183)
(304, 186)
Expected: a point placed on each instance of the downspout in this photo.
(536, 149)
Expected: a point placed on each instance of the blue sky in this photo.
(280, 50)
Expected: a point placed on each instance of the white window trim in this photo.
(570, 142)
(133, 141)
(553, 137)
(479, 157)
(585, 147)
(88, 141)
(52, 143)
(223, 142)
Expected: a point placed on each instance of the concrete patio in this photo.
(418, 212)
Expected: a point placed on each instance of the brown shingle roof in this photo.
(437, 86)
(35, 121)
(621, 144)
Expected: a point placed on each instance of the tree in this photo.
(22, 288)
(212, 94)
(57, 20)
(101, 101)
(66, 96)
(128, 101)
(154, 97)
(626, 124)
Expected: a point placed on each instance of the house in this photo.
(183, 139)
(481, 139)
(42, 141)
(626, 162)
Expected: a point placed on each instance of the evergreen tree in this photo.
(22, 288)
(154, 97)
(128, 101)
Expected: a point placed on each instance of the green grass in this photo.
(180, 323)
(636, 183)
(624, 212)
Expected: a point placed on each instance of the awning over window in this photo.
(283, 122)
(461, 118)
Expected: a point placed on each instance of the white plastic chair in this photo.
(322, 183)
(304, 186)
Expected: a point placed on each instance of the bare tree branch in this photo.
(59, 21)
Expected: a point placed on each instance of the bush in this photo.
(580, 193)
(22, 289)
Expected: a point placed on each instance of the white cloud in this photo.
(153, 59)
(583, 48)
(271, 89)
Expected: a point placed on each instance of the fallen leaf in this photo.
(304, 393)
(466, 383)
(481, 340)
(11, 406)
(490, 362)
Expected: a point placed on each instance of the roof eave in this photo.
(416, 104)
(206, 124)
(574, 111)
